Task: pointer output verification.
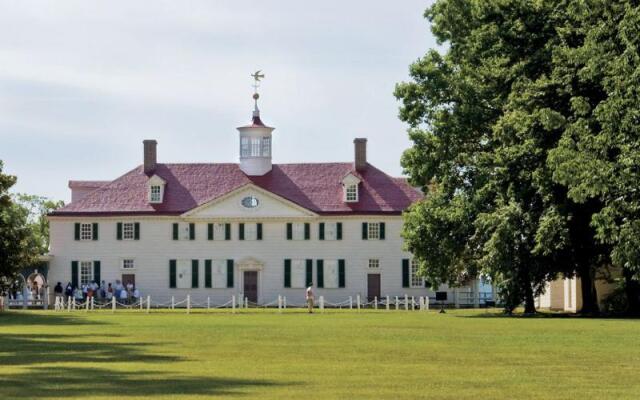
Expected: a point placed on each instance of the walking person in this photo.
(309, 296)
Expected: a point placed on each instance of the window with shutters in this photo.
(218, 274)
(374, 230)
(298, 274)
(351, 193)
(128, 231)
(219, 231)
(330, 231)
(244, 147)
(184, 231)
(86, 272)
(416, 280)
(183, 274)
(374, 263)
(251, 231)
(298, 230)
(86, 231)
(128, 263)
(331, 274)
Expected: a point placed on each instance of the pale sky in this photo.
(82, 83)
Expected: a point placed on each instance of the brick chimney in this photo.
(149, 156)
(360, 145)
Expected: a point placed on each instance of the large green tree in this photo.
(598, 156)
(484, 115)
(18, 247)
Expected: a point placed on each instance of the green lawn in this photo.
(345, 355)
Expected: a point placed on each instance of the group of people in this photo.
(33, 292)
(126, 294)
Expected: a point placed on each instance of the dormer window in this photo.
(351, 193)
(155, 186)
(350, 184)
(156, 194)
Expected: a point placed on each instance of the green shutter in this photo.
(136, 231)
(176, 230)
(119, 231)
(96, 272)
(382, 226)
(339, 230)
(227, 231)
(210, 231)
(365, 231)
(309, 280)
(341, 274)
(172, 273)
(192, 231)
(229, 273)
(74, 274)
(240, 231)
(321, 231)
(76, 231)
(195, 268)
(289, 231)
(320, 273)
(95, 231)
(259, 230)
(287, 273)
(307, 231)
(405, 272)
(207, 273)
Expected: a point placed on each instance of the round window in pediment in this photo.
(250, 202)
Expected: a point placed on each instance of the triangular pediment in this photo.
(248, 202)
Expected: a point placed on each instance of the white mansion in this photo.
(252, 229)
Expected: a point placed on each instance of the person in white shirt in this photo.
(124, 296)
(310, 297)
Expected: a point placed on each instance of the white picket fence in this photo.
(406, 303)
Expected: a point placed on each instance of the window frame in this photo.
(374, 264)
(124, 262)
(82, 274)
(351, 193)
(155, 194)
(373, 230)
(125, 231)
(266, 146)
(83, 231)
(415, 281)
(256, 147)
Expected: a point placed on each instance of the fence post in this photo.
(350, 303)
(421, 303)
(113, 304)
(375, 302)
(233, 303)
(188, 304)
(358, 301)
(246, 302)
(279, 303)
(173, 302)
(321, 303)
(397, 304)
(208, 303)
(284, 302)
(148, 304)
(93, 303)
(413, 303)
(406, 302)
(86, 305)
(387, 305)
(69, 304)
(426, 303)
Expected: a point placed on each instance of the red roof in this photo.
(316, 187)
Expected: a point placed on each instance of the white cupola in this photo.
(255, 140)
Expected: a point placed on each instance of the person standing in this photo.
(310, 298)
(57, 291)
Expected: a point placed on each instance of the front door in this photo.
(128, 278)
(373, 286)
(251, 285)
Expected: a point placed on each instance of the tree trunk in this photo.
(632, 290)
(529, 304)
(589, 294)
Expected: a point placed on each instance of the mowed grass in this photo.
(261, 354)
